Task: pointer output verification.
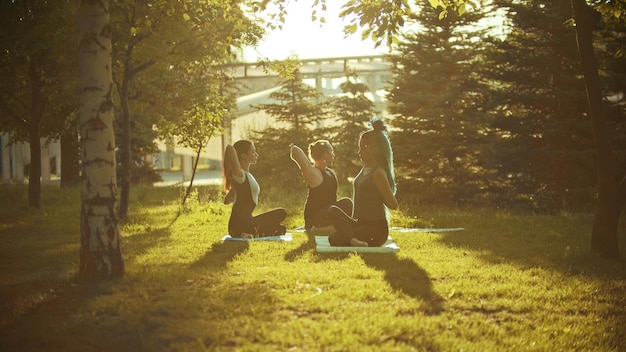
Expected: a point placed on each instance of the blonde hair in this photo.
(319, 147)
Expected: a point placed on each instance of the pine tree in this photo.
(542, 148)
(352, 110)
(437, 98)
(300, 111)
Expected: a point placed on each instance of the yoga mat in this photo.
(407, 229)
(284, 238)
(322, 245)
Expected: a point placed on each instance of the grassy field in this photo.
(509, 282)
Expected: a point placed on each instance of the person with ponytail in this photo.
(322, 185)
(374, 191)
(243, 191)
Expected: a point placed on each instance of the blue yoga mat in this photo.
(284, 238)
(322, 245)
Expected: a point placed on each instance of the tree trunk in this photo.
(193, 175)
(70, 173)
(125, 151)
(34, 171)
(34, 133)
(611, 192)
(100, 250)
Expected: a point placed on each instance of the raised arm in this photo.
(311, 175)
(382, 183)
(231, 162)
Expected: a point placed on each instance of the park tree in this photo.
(168, 36)
(352, 110)
(215, 100)
(437, 99)
(34, 65)
(381, 21)
(611, 179)
(542, 148)
(298, 113)
(100, 249)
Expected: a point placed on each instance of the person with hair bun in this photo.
(374, 191)
(243, 191)
(322, 185)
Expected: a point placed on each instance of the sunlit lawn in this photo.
(507, 283)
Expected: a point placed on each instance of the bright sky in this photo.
(309, 40)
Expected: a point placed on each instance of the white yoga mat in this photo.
(426, 229)
(322, 245)
(284, 238)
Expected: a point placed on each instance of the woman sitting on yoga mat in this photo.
(243, 191)
(322, 185)
(373, 192)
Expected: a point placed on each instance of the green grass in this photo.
(509, 282)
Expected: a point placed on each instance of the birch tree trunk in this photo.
(100, 251)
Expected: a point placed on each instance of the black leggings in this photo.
(322, 219)
(375, 232)
(261, 225)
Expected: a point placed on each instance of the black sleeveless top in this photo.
(368, 202)
(241, 214)
(320, 197)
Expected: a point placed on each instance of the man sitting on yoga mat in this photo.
(373, 192)
(322, 185)
(243, 191)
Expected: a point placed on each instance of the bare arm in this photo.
(231, 159)
(382, 183)
(310, 174)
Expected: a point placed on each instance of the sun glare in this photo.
(311, 40)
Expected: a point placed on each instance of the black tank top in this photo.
(322, 196)
(368, 202)
(241, 214)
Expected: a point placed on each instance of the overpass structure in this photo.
(256, 82)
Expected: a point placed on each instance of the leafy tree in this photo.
(352, 110)
(204, 120)
(34, 68)
(168, 36)
(100, 248)
(438, 99)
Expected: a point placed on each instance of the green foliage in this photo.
(38, 85)
(176, 43)
(352, 111)
(542, 145)
(508, 282)
(439, 101)
(300, 109)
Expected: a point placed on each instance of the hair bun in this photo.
(378, 125)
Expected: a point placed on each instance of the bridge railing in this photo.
(314, 67)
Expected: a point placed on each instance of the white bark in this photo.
(100, 240)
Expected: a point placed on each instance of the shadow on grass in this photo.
(405, 276)
(220, 254)
(306, 246)
(60, 306)
(138, 244)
